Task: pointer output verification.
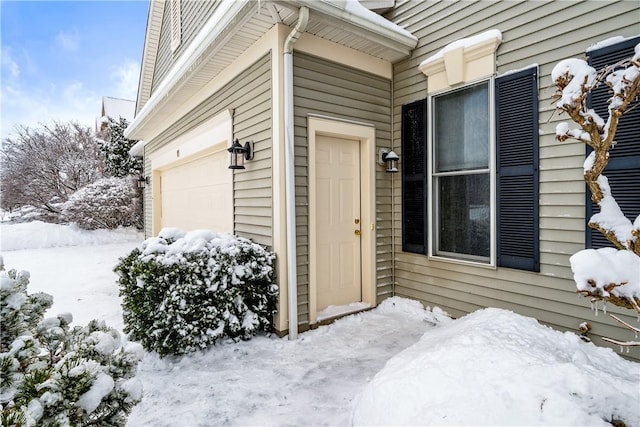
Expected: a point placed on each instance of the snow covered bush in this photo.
(106, 203)
(43, 166)
(184, 291)
(115, 146)
(51, 374)
(604, 274)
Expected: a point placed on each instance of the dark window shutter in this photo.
(517, 170)
(414, 177)
(623, 169)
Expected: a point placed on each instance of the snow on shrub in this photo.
(51, 374)
(184, 291)
(115, 146)
(106, 203)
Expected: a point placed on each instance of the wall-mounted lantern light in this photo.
(390, 158)
(142, 181)
(239, 153)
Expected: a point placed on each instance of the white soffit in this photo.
(349, 23)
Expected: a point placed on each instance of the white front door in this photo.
(338, 221)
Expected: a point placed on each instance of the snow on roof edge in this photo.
(354, 7)
(118, 107)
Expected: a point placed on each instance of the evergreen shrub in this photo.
(55, 375)
(182, 292)
(119, 163)
(106, 203)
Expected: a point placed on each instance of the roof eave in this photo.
(367, 24)
(229, 18)
(188, 63)
(151, 40)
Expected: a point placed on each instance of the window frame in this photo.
(432, 199)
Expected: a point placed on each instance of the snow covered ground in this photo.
(397, 364)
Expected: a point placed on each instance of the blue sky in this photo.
(59, 58)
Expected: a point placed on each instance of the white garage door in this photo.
(198, 194)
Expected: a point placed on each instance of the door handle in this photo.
(356, 232)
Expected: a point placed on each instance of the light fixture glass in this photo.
(142, 181)
(237, 155)
(391, 159)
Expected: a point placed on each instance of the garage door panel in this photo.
(198, 194)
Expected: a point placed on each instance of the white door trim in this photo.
(366, 135)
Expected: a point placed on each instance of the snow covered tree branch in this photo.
(574, 79)
(43, 167)
(604, 274)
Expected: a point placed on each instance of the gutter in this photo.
(137, 150)
(368, 23)
(290, 184)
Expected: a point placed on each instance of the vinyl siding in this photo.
(249, 97)
(540, 33)
(195, 14)
(329, 89)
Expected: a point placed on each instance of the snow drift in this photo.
(494, 367)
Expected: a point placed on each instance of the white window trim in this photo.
(432, 234)
(462, 61)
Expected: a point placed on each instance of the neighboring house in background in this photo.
(487, 207)
(115, 108)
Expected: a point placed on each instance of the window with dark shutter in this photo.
(623, 169)
(414, 177)
(517, 170)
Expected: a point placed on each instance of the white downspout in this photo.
(290, 184)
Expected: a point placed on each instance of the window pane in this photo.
(464, 215)
(462, 129)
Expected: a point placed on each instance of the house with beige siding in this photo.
(486, 207)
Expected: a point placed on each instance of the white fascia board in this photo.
(377, 4)
(188, 62)
(151, 40)
(356, 14)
